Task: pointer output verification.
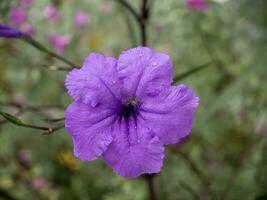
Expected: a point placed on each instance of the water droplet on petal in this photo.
(154, 63)
(135, 127)
(94, 103)
(138, 141)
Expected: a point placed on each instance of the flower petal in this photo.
(142, 71)
(135, 149)
(90, 129)
(96, 82)
(172, 114)
(9, 32)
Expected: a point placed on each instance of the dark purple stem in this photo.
(143, 20)
(151, 186)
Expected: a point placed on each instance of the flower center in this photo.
(129, 108)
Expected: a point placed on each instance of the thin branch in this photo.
(150, 179)
(32, 107)
(141, 19)
(145, 14)
(188, 189)
(131, 28)
(57, 68)
(47, 130)
(190, 72)
(204, 179)
(53, 130)
(28, 39)
(55, 120)
(16, 121)
(126, 5)
(247, 152)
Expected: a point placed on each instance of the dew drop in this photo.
(94, 103)
(154, 63)
(135, 127)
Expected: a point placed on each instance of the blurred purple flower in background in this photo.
(39, 183)
(158, 28)
(25, 158)
(51, 13)
(81, 19)
(105, 7)
(59, 42)
(126, 110)
(17, 16)
(9, 32)
(27, 28)
(197, 4)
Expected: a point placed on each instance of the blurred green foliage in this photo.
(225, 157)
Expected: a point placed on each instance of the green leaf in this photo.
(12, 119)
(190, 72)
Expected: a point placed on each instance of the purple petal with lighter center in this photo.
(90, 129)
(126, 110)
(135, 149)
(144, 72)
(171, 114)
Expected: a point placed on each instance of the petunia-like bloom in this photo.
(81, 19)
(51, 13)
(17, 16)
(9, 32)
(59, 42)
(197, 4)
(126, 110)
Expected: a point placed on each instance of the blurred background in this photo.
(225, 157)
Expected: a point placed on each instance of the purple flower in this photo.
(39, 183)
(27, 28)
(197, 4)
(9, 32)
(126, 110)
(59, 42)
(81, 19)
(51, 13)
(17, 16)
(25, 158)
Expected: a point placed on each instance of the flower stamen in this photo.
(129, 108)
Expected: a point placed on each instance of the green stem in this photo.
(16, 121)
(150, 179)
(129, 8)
(40, 47)
(190, 72)
(131, 29)
(145, 11)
